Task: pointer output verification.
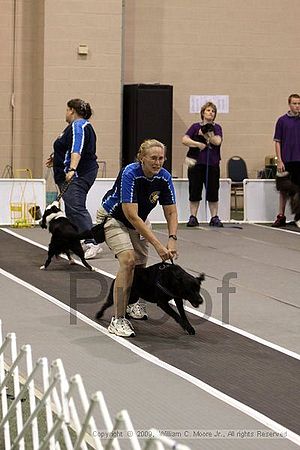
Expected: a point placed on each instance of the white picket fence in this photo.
(69, 412)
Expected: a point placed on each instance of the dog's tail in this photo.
(88, 234)
(201, 276)
(96, 233)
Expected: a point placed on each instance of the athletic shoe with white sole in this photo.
(137, 311)
(84, 245)
(93, 251)
(121, 327)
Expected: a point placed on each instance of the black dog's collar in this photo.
(157, 283)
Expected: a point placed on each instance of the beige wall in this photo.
(247, 50)
(48, 72)
(22, 78)
(95, 77)
(6, 62)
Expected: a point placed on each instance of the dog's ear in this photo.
(201, 277)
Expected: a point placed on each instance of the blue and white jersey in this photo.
(132, 186)
(78, 137)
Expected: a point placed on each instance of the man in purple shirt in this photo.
(204, 140)
(287, 148)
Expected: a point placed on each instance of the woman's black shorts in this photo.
(197, 176)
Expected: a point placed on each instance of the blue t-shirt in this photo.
(78, 137)
(132, 186)
(287, 132)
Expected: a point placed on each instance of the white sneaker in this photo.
(121, 327)
(84, 245)
(92, 251)
(137, 311)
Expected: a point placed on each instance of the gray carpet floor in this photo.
(262, 267)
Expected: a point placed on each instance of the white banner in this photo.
(221, 102)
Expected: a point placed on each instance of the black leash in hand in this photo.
(158, 284)
(63, 189)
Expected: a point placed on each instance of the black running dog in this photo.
(284, 184)
(161, 283)
(65, 236)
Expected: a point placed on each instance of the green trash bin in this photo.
(50, 197)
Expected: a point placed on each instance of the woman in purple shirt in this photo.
(204, 140)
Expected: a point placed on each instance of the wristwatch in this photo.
(173, 236)
(71, 169)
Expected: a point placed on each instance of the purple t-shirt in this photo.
(287, 132)
(210, 154)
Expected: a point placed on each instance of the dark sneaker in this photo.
(279, 222)
(215, 222)
(193, 222)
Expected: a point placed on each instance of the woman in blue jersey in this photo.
(136, 191)
(74, 160)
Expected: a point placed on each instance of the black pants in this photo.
(197, 176)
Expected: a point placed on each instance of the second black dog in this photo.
(65, 237)
(284, 184)
(161, 283)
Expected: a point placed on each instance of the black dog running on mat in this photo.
(292, 191)
(161, 283)
(65, 236)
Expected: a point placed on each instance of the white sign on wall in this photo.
(221, 102)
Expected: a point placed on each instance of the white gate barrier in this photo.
(261, 201)
(68, 411)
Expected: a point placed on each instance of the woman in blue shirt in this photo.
(136, 191)
(74, 161)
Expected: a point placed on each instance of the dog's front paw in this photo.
(43, 267)
(190, 330)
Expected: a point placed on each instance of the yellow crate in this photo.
(20, 214)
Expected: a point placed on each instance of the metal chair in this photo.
(237, 171)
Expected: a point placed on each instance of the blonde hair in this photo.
(146, 145)
(208, 105)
